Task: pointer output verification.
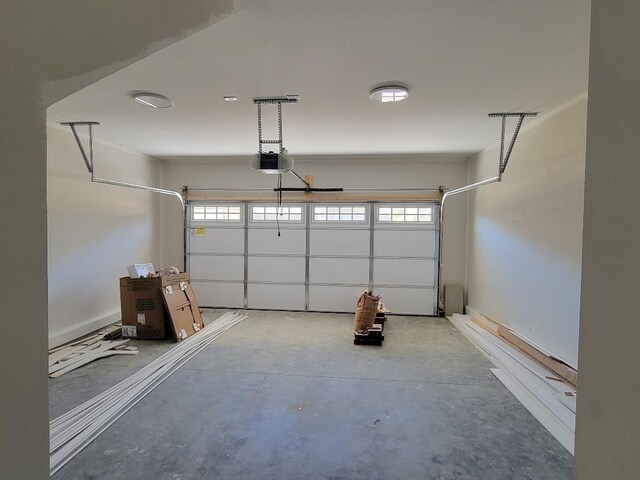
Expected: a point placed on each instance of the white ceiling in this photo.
(461, 59)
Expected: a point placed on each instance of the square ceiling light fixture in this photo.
(389, 94)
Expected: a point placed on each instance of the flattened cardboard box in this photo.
(144, 315)
(183, 310)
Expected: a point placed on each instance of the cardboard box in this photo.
(453, 299)
(183, 310)
(144, 315)
(140, 270)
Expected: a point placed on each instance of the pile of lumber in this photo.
(73, 431)
(543, 384)
(76, 354)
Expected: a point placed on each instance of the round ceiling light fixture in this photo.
(389, 94)
(152, 100)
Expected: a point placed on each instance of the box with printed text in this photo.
(144, 315)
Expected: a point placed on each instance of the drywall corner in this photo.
(608, 418)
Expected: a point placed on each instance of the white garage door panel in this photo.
(403, 272)
(267, 241)
(409, 301)
(217, 240)
(214, 294)
(216, 267)
(334, 299)
(276, 297)
(339, 242)
(405, 243)
(276, 269)
(314, 264)
(339, 270)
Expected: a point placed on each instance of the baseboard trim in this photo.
(473, 312)
(76, 331)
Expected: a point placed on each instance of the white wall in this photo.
(401, 171)
(525, 234)
(44, 54)
(95, 231)
(608, 420)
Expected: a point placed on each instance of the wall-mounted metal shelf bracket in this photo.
(88, 160)
(504, 158)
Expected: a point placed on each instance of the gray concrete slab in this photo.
(287, 395)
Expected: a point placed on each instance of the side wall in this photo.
(525, 234)
(608, 421)
(49, 50)
(402, 171)
(95, 231)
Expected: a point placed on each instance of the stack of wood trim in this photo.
(73, 431)
(549, 397)
(74, 355)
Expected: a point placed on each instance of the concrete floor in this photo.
(287, 395)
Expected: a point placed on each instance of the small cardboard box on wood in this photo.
(144, 315)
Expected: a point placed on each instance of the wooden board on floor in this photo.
(502, 332)
(561, 369)
(551, 400)
(77, 355)
(88, 358)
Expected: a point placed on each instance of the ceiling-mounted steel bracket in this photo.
(504, 158)
(88, 160)
(272, 101)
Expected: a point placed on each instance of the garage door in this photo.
(324, 255)
(405, 257)
(339, 255)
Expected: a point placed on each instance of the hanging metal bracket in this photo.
(307, 188)
(278, 101)
(502, 166)
(504, 158)
(307, 184)
(88, 160)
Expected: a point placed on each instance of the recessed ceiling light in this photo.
(152, 100)
(389, 93)
(231, 98)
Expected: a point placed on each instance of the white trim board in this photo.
(561, 433)
(527, 381)
(79, 330)
(472, 311)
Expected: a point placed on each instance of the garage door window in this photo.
(225, 213)
(405, 214)
(339, 213)
(271, 213)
